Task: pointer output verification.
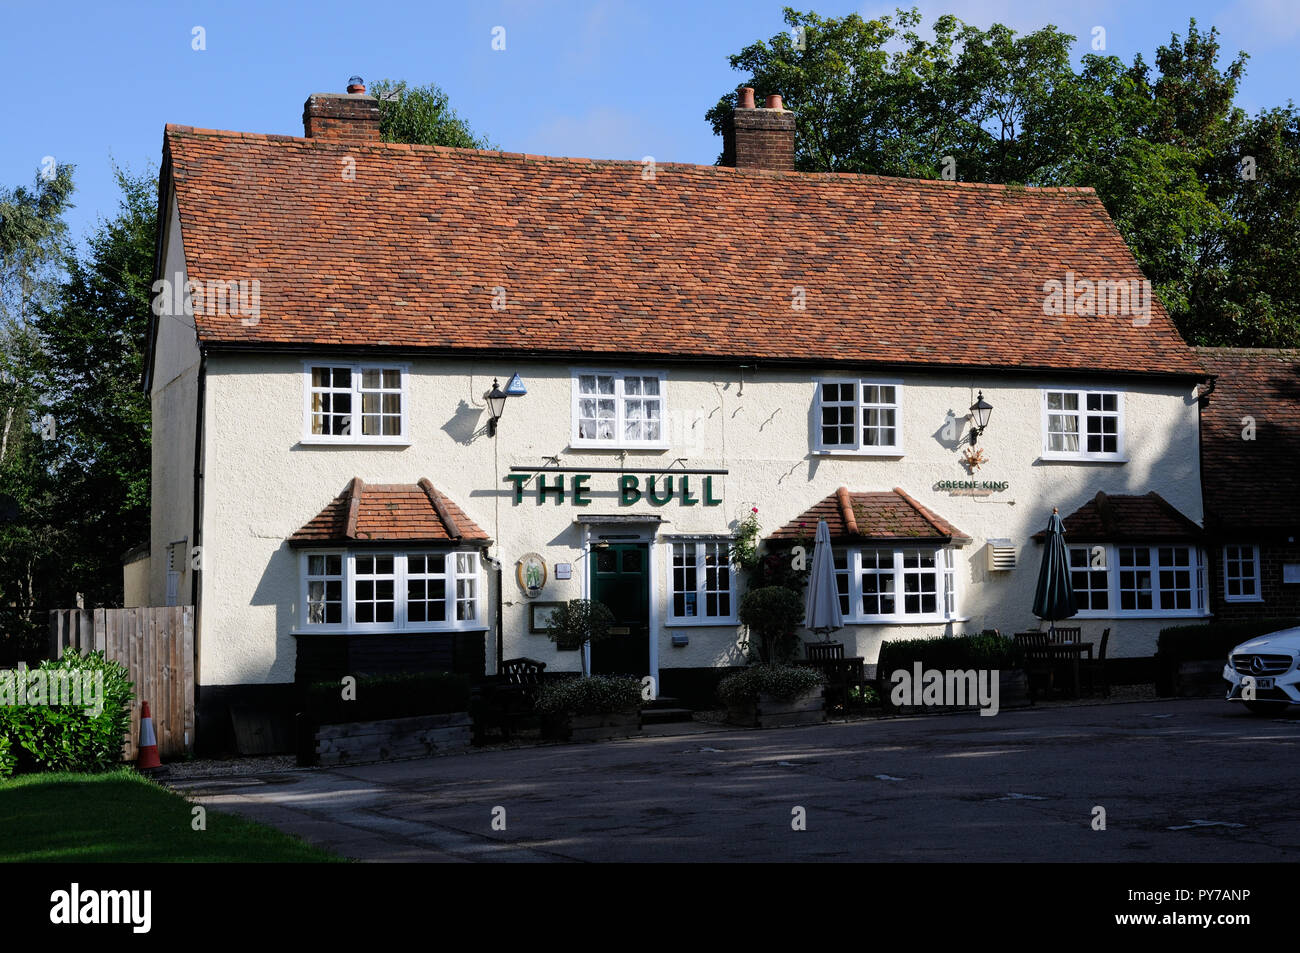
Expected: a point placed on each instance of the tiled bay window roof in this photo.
(892, 516)
(1115, 518)
(389, 513)
(606, 258)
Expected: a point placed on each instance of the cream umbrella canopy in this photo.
(822, 605)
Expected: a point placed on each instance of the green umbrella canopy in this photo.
(1054, 596)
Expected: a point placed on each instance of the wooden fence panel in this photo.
(156, 645)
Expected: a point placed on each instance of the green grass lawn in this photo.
(123, 817)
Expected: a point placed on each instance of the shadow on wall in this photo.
(463, 424)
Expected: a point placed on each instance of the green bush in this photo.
(773, 613)
(54, 737)
(959, 652)
(379, 697)
(785, 682)
(1212, 642)
(593, 695)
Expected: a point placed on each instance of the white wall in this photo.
(173, 397)
(262, 484)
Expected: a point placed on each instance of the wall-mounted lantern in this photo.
(496, 404)
(980, 411)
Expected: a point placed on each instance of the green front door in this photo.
(620, 578)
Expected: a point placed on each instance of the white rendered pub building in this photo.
(673, 348)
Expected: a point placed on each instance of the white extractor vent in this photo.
(1002, 555)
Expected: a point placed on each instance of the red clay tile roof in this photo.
(1251, 487)
(871, 516)
(389, 512)
(699, 262)
(1111, 518)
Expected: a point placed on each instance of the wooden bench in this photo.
(503, 700)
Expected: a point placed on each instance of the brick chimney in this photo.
(755, 138)
(350, 115)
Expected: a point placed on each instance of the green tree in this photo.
(92, 343)
(422, 115)
(32, 246)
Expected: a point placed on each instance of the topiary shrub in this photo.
(44, 734)
(784, 682)
(773, 614)
(577, 622)
(593, 695)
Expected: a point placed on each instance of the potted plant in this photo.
(577, 623)
(773, 696)
(594, 708)
(773, 615)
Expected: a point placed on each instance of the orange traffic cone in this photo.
(148, 748)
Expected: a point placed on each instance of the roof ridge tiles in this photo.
(349, 145)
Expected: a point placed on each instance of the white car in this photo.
(1268, 665)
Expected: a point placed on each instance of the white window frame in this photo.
(619, 441)
(356, 367)
(1120, 454)
(947, 593)
(858, 449)
(701, 578)
(1255, 578)
(400, 623)
(1197, 566)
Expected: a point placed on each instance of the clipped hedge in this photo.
(593, 695)
(380, 697)
(959, 652)
(785, 682)
(55, 737)
(1212, 641)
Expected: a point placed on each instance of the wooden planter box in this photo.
(770, 712)
(1013, 692)
(621, 724)
(1200, 679)
(417, 737)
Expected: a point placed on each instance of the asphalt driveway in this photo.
(1178, 781)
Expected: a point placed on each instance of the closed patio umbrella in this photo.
(822, 608)
(1054, 596)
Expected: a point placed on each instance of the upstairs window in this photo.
(1083, 425)
(617, 409)
(858, 416)
(355, 403)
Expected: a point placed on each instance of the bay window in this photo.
(1114, 580)
(392, 591)
(896, 585)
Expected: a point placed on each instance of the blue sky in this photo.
(607, 79)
